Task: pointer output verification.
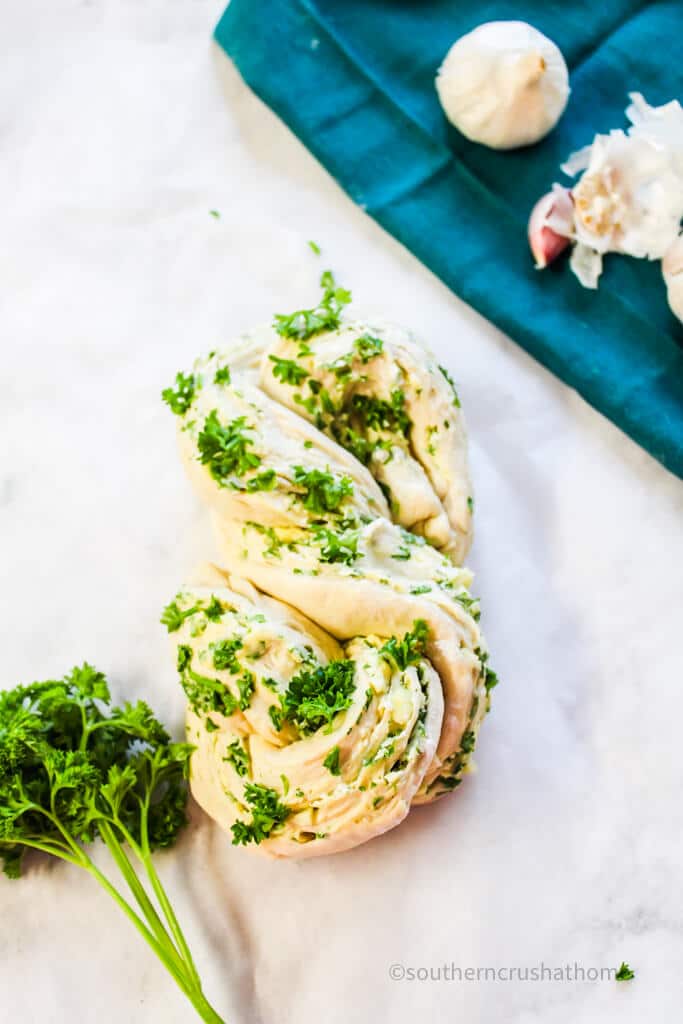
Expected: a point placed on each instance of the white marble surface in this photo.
(121, 128)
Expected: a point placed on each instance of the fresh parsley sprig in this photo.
(266, 814)
(288, 371)
(317, 693)
(75, 768)
(203, 693)
(180, 398)
(368, 346)
(225, 448)
(380, 414)
(264, 481)
(331, 762)
(305, 323)
(409, 649)
(323, 492)
(490, 678)
(335, 546)
(237, 755)
(173, 616)
(225, 655)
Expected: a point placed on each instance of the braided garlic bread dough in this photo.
(335, 670)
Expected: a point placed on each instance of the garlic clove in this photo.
(628, 199)
(672, 270)
(550, 226)
(504, 84)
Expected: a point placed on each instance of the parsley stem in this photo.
(160, 949)
(137, 888)
(201, 1003)
(195, 995)
(206, 1011)
(53, 850)
(73, 769)
(160, 942)
(179, 951)
(176, 930)
(81, 858)
(144, 854)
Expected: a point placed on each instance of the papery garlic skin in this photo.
(504, 84)
(630, 197)
(662, 126)
(586, 264)
(672, 270)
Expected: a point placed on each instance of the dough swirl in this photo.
(334, 666)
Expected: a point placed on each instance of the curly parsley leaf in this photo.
(267, 813)
(305, 323)
(276, 716)
(75, 768)
(331, 762)
(468, 742)
(337, 547)
(173, 616)
(180, 397)
(203, 693)
(245, 685)
(490, 677)
(264, 481)
(225, 655)
(225, 449)
(470, 604)
(288, 371)
(367, 346)
(323, 491)
(410, 649)
(237, 755)
(380, 414)
(318, 693)
(214, 609)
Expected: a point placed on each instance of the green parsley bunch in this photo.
(75, 768)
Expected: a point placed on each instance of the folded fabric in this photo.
(355, 82)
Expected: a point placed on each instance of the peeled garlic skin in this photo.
(504, 84)
(672, 269)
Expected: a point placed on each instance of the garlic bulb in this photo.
(629, 198)
(672, 269)
(504, 84)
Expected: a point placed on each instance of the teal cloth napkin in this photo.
(355, 81)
